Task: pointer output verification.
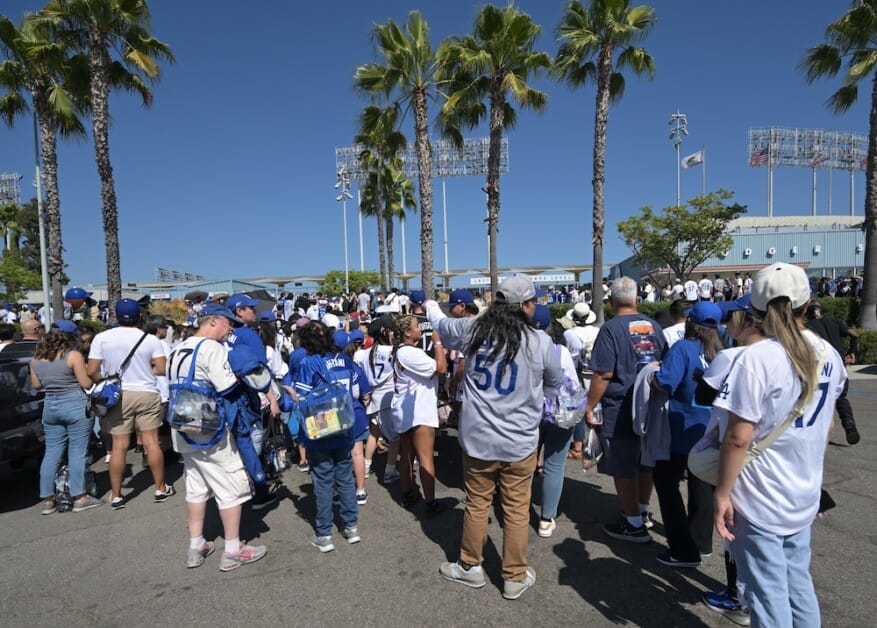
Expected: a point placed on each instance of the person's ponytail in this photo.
(780, 323)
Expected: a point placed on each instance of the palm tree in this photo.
(494, 64)
(591, 37)
(56, 81)
(100, 27)
(398, 194)
(408, 77)
(381, 140)
(852, 39)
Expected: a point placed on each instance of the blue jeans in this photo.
(775, 573)
(328, 466)
(556, 442)
(65, 426)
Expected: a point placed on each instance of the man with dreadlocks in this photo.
(507, 363)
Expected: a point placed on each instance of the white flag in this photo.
(692, 160)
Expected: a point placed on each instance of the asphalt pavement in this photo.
(127, 567)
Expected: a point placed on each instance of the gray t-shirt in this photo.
(501, 403)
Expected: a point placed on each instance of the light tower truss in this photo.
(447, 159)
(9, 188)
(807, 148)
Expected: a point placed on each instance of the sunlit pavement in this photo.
(105, 568)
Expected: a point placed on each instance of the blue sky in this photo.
(231, 172)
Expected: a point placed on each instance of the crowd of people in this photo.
(398, 366)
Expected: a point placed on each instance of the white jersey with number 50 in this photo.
(779, 491)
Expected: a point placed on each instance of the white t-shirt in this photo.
(415, 398)
(779, 490)
(211, 365)
(113, 346)
(674, 333)
(579, 338)
(691, 291)
(714, 376)
(706, 288)
(379, 376)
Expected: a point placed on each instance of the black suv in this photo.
(21, 431)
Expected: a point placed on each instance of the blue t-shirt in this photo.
(688, 421)
(623, 344)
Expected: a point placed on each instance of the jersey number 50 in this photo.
(502, 370)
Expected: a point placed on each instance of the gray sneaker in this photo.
(351, 533)
(472, 577)
(87, 503)
(512, 590)
(246, 554)
(195, 557)
(323, 543)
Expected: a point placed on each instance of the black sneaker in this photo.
(263, 501)
(409, 500)
(433, 509)
(162, 496)
(666, 559)
(623, 531)
(117, 503)
(852, 433)
(648, 520)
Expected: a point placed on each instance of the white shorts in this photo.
(217, 472)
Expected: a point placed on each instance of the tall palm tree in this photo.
(102, 28)
(381, 140)
(492, 64)
(852, 40)
(408, 77)
(56, 80)
(398, 195)
(598, 42)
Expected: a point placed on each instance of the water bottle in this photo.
(598, 414)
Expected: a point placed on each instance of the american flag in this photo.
(759, 158)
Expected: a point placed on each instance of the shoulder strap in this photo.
(797, 411)
(191, 376)
(131, 354)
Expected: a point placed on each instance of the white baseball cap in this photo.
(780, 280)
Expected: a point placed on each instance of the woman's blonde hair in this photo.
(780, 323)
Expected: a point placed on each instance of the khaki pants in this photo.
(515, 480)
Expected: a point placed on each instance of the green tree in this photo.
(16, 279)
(597, 44)
(493, 64)
(407, 77)
(681, 239)
(851, 42)
(381, 140)
(29, 240)
(333, 281)
(56, 79)
(10, 230)
(103, 28)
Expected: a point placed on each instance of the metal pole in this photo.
(445, 224)
(359, 208)
(852, 191)
(678, 179)
(770, 177)
(346, 262)
(814, 192)
(679, 129)
(703, 171)
(404, 254)
(829, 191)
(44, 259)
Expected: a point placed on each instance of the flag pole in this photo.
(703, 171)
(770, 175)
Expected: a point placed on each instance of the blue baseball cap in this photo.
(541, 317)
(743, 304)
(705, 313)
(268, 316)
(215, 309)
(342, 339)
(68, 327)
(460, 296)
(127, 310)
(417, 296)
(240, 300)
(357, 336)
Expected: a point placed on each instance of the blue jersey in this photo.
(341, 369)
(688, 420)
(248, 337)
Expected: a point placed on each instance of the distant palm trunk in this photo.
(49, 155)
(601, 122)
(424, 184)
(497, 102)
(868, 314)
(391, 265)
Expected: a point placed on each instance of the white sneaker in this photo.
(513, 590)
(546, 528)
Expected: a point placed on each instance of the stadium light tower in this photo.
(676, 133)
(344, 184)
